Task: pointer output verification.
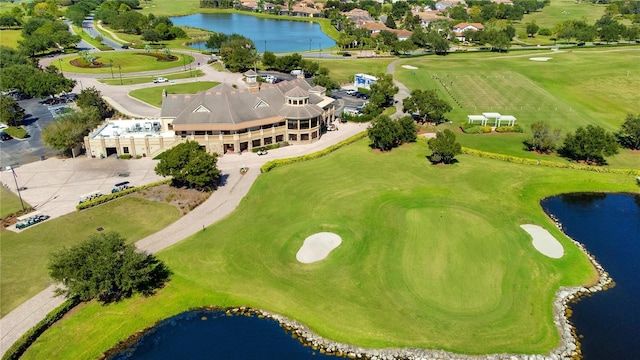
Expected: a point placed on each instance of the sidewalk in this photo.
(219, 205)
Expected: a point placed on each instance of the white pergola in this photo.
(481, 118)
(510, 119)
(493, 116)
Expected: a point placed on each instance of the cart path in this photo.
(218, 206)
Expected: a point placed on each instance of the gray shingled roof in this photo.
(223, 104)
(297, 93)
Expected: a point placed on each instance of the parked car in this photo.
(4, 136)
(351, 92)
(262, 151)
(124, 46)
(160, 80)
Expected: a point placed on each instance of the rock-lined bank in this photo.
(569, 347)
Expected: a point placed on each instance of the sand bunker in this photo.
(409, 67)
(543, 241)
(540, 58)
(317, 246)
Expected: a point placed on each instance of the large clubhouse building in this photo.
(223, 119)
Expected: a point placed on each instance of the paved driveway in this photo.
(54, 186)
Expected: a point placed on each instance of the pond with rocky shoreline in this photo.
(592, 214)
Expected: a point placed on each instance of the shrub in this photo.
(473, 130)
(22, 344)
(124, 156)
(275, 163)
(503, 129)
(486, 129)
(544, 32)
(106, 198)
(526, 161)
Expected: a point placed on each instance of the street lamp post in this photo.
(9, 168)
(265, 46)
(111, 67)
(60, 63)
(309, 45)
(120, 71)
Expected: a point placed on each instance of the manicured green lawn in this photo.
(149, 79)
(24, 256)
(125, 62)
(343, 70)
(153, 95)
(9, 37)
(558, 11)
(83, 34)
(572, 89)
(431, 256)
(10, 202)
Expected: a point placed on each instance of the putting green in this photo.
(431, 256)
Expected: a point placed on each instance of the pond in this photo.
(609, 227)
(267, 34)
(206, 334)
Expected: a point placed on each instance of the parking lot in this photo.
(16, 152)
(54, 186)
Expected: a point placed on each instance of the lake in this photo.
(206, 334)
(270, 34)
(609, 227)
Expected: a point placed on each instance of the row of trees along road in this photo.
(590, 144)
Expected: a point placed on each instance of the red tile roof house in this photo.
(460, 28)
(427, 17)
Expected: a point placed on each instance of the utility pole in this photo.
(9, 168)
(111, 67)
(120, 71)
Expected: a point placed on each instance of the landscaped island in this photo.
(431, 257)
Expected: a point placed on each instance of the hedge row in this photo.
(22, 344)
(105, 198)
(275, 163)
(519, 160)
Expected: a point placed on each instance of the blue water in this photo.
(609, 226)
(213, 335)
(270, 34)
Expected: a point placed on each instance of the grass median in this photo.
(431, 256)
(153, 95)
(24, 256)
(149, 79)
(124, 62)
(10, 203)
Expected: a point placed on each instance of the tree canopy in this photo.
(92, 98)
(386, 133)
(70, 128)
(238, 53)
(427, 104)
(589, 144)
(382, 93)
(190, 165)
(106, 268)
(543, 139)
(444, 147)
(629, 134)
(10, 112)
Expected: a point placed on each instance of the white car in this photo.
(160, 80)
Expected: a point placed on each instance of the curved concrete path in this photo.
(219, 205)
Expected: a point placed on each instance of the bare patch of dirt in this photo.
(182, 198)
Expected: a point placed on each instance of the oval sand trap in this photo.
(317, 246)
(409, 67)
(543, 241)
